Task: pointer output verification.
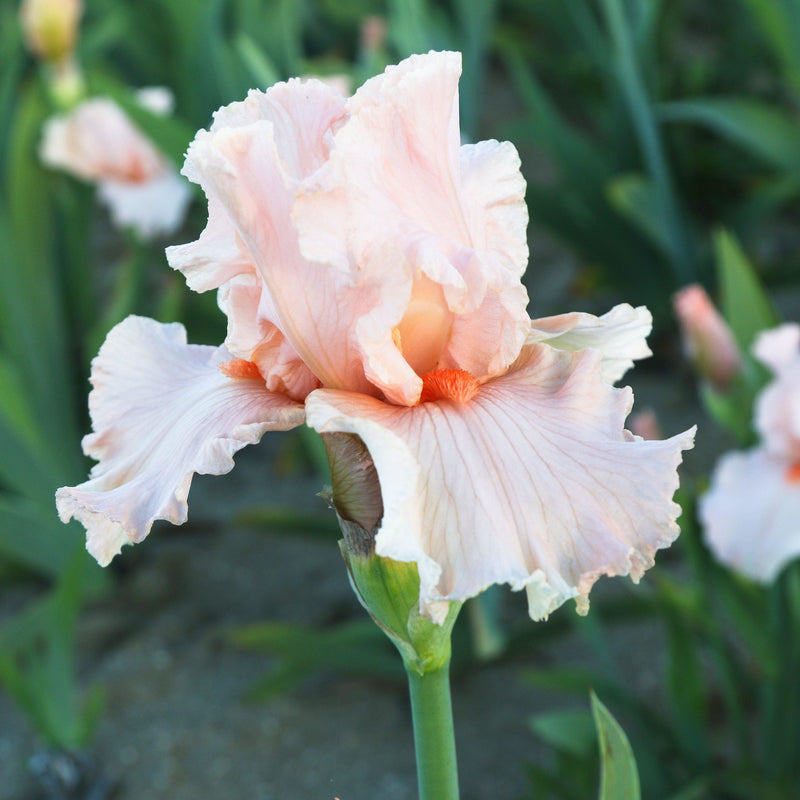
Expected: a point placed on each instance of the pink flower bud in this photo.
(373, 33)
(707, 339)
(645, 424)
(50, 27)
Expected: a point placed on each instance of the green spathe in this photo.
(389, 590)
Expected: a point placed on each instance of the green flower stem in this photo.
(434, 739)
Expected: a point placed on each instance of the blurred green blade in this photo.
(350, 648)
(260, 65)
(289, 520)
(37, 661)
(576, 156)
(775, 19)
(643, 121)
(765, 130)
(33, 326)
(745, 305)
(619, 778)
(571, 730)
(32, 536)
(633, 196)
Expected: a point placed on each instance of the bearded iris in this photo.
(369, 266)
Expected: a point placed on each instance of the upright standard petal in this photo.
(620, 335)
(455, 217)
(751, 513)
(250, 164)
(162, 410)
(778, 348)
(529, 479)
(777, 413)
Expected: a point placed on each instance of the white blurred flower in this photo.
(751, 513)
(98, 142)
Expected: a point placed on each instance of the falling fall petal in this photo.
(531, 481)
(162, 410)
(751, 513)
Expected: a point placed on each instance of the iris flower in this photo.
(97, 142)
(751, 513)
(369, 266)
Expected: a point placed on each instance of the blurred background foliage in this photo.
(646, 127)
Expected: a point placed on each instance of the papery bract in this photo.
(751, 513)
(97, 142)
(369, 265)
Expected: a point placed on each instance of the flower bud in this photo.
(66, 84)
(51, 27)
(389, 590)
(373, 33)
(645, 424)
(707, 339)
(356, 490)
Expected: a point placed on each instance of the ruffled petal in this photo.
(491, 176)
(455, 215)
(777, 412)
(152, 207)
(97, 141)
(532, 482)
(250, 165)
(162, 410)
(778, 348)
(217, 257)
(620, 335)
(751, 513)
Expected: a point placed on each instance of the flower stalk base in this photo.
(389, 590)
(434, 739)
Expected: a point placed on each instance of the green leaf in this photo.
(290, 520)
(775, 19)
(697, 790)
(15, 407)
(350, 648)
(633, 89)
(571, 731)
(634, 198)
(33, 536)
(619, 778)
(733, 408)
(260, 65)
(767, 131)
(744, 302)
(687, 692)
(37, 662)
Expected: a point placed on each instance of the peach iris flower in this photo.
(97, 142)
(751, 513)
(369, 266)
